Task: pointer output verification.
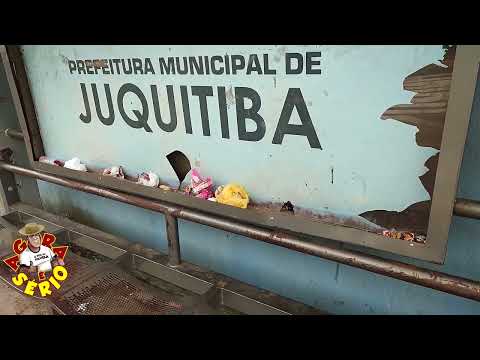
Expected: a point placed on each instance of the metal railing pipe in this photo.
(416, 275)
(14, 134)
(467, 208)
(463, 207)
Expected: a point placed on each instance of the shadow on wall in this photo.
(123, 220)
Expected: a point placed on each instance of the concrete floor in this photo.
(13, 302)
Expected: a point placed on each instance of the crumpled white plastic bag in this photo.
(75, 164)
(148, 179)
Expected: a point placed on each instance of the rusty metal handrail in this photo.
(424, 277)
(14, 134)
(467, 208)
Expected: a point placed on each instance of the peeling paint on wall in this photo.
(427, 112)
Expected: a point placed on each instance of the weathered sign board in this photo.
(350, 135)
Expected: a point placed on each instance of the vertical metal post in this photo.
(8, 186)
(8, 192)
(172, 237)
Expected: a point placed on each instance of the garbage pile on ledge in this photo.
(202, 187)
(405, 235)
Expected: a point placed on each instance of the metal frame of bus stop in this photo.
(462, 90)
(432, 279)
(317, 247)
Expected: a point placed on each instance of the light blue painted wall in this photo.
(345, 102)
(335, 288)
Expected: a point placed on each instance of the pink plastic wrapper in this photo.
(201, 187)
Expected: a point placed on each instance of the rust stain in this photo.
(64, 58)
(280, 53)
(98, 64)
(230, 97)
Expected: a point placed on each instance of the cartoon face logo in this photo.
(35, 258)
(35, 241)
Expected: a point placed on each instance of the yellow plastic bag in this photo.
(232, 194)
